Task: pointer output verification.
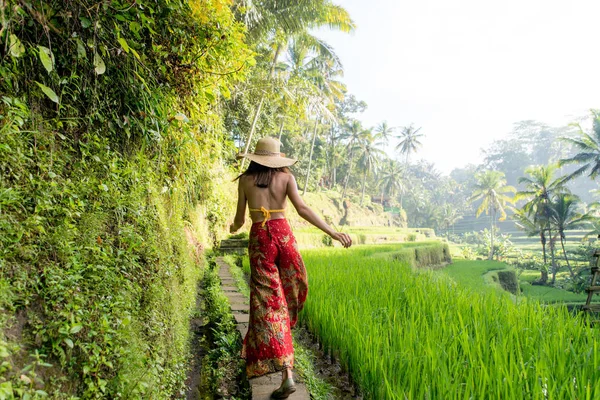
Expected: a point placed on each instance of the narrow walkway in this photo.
(265, 385)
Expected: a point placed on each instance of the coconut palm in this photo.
(391, 178)
(565, 217)
(368, 158)
(409, 141)
(540, 187)
(449, 216)
(355, 134)
(285, 21)
(491, 189)
(384, 132)
(589, 154)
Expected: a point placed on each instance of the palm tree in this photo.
(284, 20)
(589, 155)
(368, 158)
(490, 189)
(384, 132)
(409, 141)
(355, 134)
(450, 216)
(391, 179)
(565, 217)
(540, 187)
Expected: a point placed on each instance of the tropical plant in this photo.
(409, 141)
(491, 189)
(540, 186)
(384, 132)
(589, 154)
(354, 134)
(369, 156)
(450, 216)
(564, 216)
(282, 22)
(391, 178)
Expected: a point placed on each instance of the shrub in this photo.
(411, 237)
(327, 240)
(508, 281)
(362, 238)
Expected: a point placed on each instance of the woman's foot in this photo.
(287, 387)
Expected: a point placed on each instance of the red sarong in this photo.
(278, 289)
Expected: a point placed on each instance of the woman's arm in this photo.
(240, 214)
(308, 214)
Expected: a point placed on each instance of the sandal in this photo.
(287, 387)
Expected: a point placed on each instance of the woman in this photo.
(278, 283)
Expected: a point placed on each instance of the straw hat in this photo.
(267, 153)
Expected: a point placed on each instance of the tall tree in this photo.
(384, 132)
(564, 217)
(540, 186)
(391, 179)
(369, 156)
(355, 134)
(409, 141)
(589, 154)
(450, 216)
(278, 22)
(491, 189)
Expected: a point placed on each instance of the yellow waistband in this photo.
(266, 213)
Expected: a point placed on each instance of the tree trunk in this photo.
(260, 104)
(543, 241)
(562, 243)
(362, 196)
(347, 174)
(312, 147)
(491, 256)
(280, 130)
(552, 257)
(252, 128)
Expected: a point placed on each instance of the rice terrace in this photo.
(308, 199)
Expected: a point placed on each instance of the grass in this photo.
(406, 334)
(551, 294)
(472, 274)
(311, 237)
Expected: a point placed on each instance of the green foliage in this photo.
(420, 255)
(404, 334)
(103, 161)
(327, 241)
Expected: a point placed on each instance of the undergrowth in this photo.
(111, 142)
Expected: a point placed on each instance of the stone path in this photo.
(263, 386)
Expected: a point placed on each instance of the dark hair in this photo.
(262, 174)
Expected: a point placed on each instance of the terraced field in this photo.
(418, 334)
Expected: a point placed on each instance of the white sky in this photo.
(466, 70)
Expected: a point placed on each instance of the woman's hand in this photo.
(343, 238)
(232, 228)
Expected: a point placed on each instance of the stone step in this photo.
(263, 386)
(236, 298)
(242, 329)
(241, 318)
(240, 307)
(234, 243)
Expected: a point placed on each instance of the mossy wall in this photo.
(111, 182)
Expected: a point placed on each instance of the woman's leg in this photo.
(268, 344)
(293, 276)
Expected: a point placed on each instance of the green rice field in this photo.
(407, 334)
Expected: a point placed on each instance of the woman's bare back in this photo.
(273, 197)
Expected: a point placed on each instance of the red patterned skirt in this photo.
(278, 289)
